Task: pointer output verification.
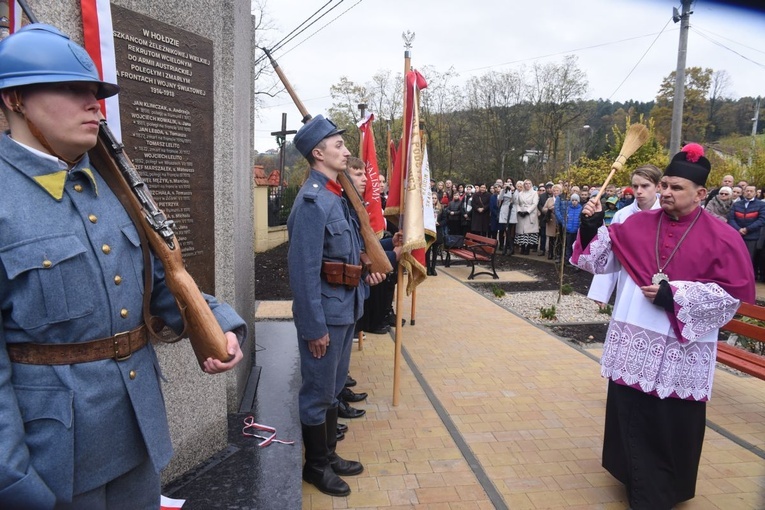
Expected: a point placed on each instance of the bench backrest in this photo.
(746, 329)
(473, 239)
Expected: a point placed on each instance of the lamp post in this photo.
(570, 145)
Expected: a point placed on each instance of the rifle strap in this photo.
(122, 191)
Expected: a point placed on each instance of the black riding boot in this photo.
(339, 466)
(317, 469)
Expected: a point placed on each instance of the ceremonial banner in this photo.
(428, 214)
(98, 35)
(372, 198)
(410, 167)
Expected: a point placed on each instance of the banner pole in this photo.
(362, 108)
(400, 278)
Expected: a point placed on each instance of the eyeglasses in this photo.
(723, 193)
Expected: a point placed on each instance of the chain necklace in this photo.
(661, 275)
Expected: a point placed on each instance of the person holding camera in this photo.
(505, 202)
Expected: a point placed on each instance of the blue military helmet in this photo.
(39, 53)
(315, 130)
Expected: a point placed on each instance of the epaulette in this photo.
(311, 194)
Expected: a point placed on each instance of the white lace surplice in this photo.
(641, 349)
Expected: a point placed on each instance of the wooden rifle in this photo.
(379, 260)
(204, 332)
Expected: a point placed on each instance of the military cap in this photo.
(313, 132)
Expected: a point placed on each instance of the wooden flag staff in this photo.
(408, 38)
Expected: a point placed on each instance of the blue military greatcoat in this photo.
(71, 270)
(321, 227)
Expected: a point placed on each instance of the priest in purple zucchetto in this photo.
(659, 354)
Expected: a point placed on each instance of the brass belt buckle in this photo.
(117, 346)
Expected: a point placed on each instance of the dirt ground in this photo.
(272, 283)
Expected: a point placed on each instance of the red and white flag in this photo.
(372, 196)
(166, 503)
(99, 42)
(14, 16)
(409, 167)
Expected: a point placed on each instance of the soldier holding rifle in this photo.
(83, 418)
(329, 283)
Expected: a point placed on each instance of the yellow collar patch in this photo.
(54, 182)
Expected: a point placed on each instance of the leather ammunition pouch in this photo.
(340, 273)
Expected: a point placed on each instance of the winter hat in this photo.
(690, 164)
(628, 191)
(612, 200)
(575, 197)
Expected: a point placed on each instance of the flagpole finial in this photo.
(408, 37)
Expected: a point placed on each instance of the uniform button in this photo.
(124, 313)
(47, 264)
(93, 218)
(663, 257)
(117, 280)
(106, 249)
(78, 188)
(132, 374)
(671, 235)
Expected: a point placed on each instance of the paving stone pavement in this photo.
(494, 412)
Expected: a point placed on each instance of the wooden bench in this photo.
(475, 249)
(736, 357)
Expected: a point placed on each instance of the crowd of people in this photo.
(520, 216)
(526, 218)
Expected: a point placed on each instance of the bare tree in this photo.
(554, 92)
(718, 91)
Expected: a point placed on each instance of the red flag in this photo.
(98, 38)
(409, 166)
(372, 196)
(394, 182)
(14, 16)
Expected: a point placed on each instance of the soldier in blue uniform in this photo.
(329, 287)
(83, 419)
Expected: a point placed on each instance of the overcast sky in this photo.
(609, 37)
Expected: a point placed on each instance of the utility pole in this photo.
(682, 50)
(754, 128)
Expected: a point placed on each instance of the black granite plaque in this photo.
(166, 108)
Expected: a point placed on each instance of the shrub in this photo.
(497, 290)
(608, 310)
(548, 313)
(566, 289)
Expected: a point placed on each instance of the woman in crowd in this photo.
(467, 209)
(432, 254)
(481, 215)
(453, 213)
(505, 204)
(550, 221)
(719, 205)
(527, 230)
(628, 196)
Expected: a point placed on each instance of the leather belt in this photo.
(118, 347)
